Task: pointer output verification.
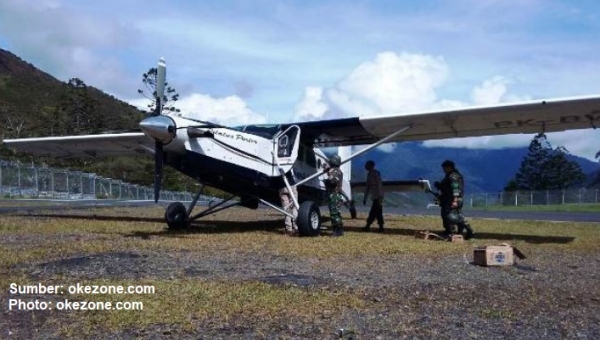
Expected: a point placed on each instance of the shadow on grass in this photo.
(534, 239)
(276, 226)
(196, 227)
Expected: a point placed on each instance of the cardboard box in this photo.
(456, 238)
(502, 255)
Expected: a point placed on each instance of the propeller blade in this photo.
(158, 167)
(161, 81)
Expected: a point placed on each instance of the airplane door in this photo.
(286, 146)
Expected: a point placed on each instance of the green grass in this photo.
(189, 302)
(572, 208)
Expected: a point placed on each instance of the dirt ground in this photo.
(552, 294)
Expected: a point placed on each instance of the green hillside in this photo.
(35, 104)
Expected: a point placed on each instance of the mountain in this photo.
(484, 170)
(32, 102)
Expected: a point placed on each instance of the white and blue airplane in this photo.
(250, 161)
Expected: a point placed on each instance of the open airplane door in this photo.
(286, 146)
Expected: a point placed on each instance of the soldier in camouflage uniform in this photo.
(333, 184)
(451, 200)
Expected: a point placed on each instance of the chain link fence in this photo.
(22, 181)
(523, 198)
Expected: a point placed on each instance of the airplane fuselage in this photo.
(246, 161)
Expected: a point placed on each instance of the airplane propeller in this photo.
(158, 168)
(159, 127)
(161, 78)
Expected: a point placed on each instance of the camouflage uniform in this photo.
(287, 203)
(452, 189)
(333, 184)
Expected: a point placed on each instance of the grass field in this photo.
(236, 233)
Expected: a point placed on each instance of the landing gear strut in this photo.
(178, 217)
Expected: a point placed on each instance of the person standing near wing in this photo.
(375, 188)
(333, 185)
(451, 200)
(287, 203)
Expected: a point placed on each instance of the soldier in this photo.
(287, 203)
(451, 200)
(333, 184)
(375, 188)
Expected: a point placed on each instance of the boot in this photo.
(470, 232)
(366, 228)
(381, 228)
(337, 231)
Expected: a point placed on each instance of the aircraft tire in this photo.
(176, 216)
(309, 219)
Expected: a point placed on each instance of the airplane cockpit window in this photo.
(266, 131)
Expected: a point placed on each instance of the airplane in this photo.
(250, 162)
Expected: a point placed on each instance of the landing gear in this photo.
(309, 219)
(176, 216)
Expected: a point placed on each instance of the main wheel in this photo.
(176, 216)
(309, 219)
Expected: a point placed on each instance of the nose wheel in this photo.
(176, 216)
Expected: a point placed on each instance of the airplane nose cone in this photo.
(160, 128)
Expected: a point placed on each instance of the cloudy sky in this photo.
(237, 62)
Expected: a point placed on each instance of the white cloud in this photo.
(493, 91)
(391, 83)
(229, 111)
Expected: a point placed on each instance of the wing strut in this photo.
(358, 153)
(287, 183)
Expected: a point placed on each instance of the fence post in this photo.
(471, 201)
(52, 181)
(19, 179)
(516, 198)
(1, 189)
(563, 196)
(37, 183)
(595, 199)
(531, 197)
(501, 198)
(68, 187)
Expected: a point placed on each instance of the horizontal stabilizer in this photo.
(399, 186)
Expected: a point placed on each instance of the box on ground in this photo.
(426, 235)
(502, 255)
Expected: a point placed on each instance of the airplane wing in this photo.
(420, 185)
(118, 144)
(525, 117)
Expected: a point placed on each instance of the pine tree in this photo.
(149, 80)
(563, 173)
(532, 174)
(544, 168)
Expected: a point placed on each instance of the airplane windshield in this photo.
(265, 131)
